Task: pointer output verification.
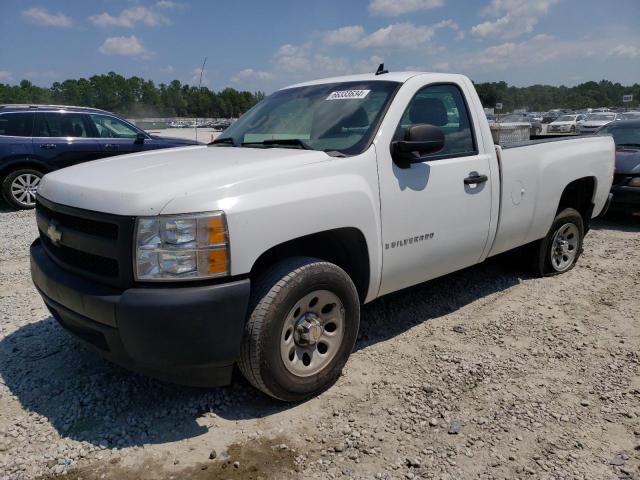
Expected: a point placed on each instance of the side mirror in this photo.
(140, 138)
(419, 140)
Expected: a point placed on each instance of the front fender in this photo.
(267, 211)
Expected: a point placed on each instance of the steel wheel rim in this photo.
(304, 354)
(564, 247)
(24, 188)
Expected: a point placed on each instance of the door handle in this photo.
(110, 146)
(475, 178)
(48, 146)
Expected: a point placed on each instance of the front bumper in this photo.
(185, 334)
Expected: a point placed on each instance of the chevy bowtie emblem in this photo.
(54, 234)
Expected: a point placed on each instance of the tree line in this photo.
(137, 97)
(546, 97)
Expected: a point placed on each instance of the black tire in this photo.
(9, 194)
(275, 294)
(542, 264)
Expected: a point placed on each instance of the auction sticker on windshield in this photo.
(348, 94)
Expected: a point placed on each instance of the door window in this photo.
(58, 124)
(444, 107)
(17, 124)
(111, 127)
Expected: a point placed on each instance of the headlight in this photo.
(181, 247)
(634, 182)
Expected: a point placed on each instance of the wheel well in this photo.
(579, 195)
(345, 247)
(13, 165)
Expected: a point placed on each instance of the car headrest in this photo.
(428, 110)
(324, 122)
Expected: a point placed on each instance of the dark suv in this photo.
(36, 139)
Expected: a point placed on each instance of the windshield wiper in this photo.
(296, 142)
(224, 140)
(628, 145)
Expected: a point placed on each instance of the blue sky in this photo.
(253, 44)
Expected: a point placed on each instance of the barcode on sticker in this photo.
(348, 94)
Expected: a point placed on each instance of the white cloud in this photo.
(251, 74)
(168, 69)
(625, 51)
(5, 76)
(128, 46)
(541, 49)
(168, 4)
(400, 7)
(344, 35)
(516, 18)
(41, 16)
(402, 35)
(129, 18)
(405, 35)
(293, 58)
(453, 26)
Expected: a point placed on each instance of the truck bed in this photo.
(527, 203)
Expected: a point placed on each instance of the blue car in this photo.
(36, 139)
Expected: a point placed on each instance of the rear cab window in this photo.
(16, 124)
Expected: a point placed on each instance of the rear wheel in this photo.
(559, 251)
(303, 324)
(20, 186)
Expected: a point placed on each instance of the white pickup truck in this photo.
(258, 249)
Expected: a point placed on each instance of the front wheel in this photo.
(559, 251)
(303, 324)
(20, 186)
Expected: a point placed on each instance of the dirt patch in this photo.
(260, 459)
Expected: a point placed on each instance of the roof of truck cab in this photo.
(399, 77)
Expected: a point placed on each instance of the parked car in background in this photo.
(547, 118)
(565, 124)
(597, 120)
(36, 139)
(626, 180)
(535, 128)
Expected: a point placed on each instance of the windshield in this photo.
(566, 118)
(332, 117)
(622, 135)
(599, 117)
(632, 116)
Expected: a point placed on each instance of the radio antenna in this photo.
(199, 88)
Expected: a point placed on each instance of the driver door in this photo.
(115, 136)
(433, 221)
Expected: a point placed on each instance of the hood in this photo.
(175, 140)
(144, 183)
(628, 160)
(570, 122)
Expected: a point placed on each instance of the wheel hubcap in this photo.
(24, 188)
(564, 247)
(312, 333)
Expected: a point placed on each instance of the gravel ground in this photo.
(485, 374)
